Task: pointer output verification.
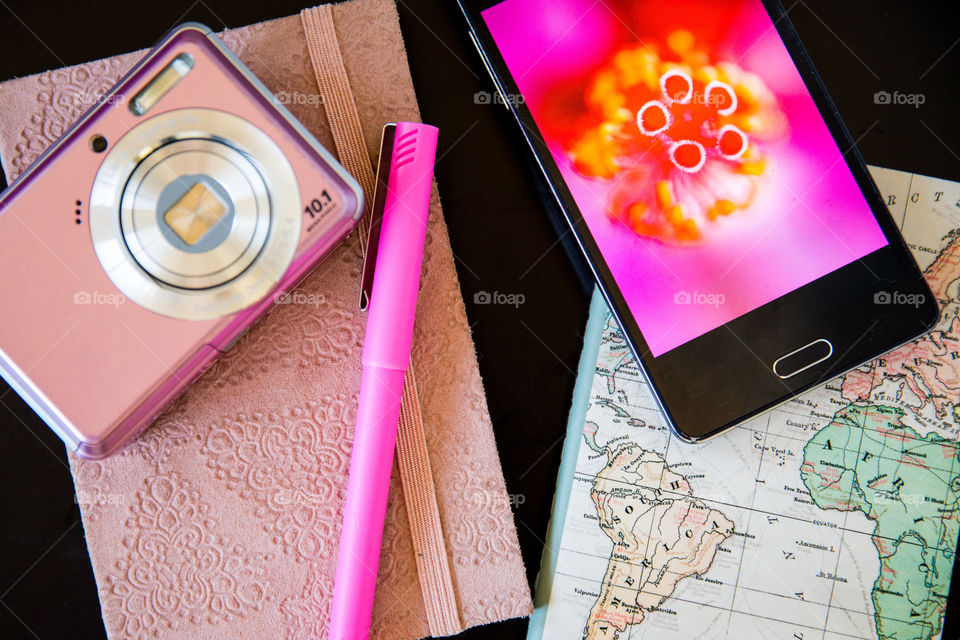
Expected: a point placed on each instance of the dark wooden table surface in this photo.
(503, 231)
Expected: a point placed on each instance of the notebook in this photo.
(222, 519)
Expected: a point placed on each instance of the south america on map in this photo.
(834, 516)
(660, 534)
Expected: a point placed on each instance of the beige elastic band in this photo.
(416, 476)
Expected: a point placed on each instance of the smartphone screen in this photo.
(693, 149)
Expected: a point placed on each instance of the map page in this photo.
(832, 517)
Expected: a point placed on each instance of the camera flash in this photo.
(161, 84)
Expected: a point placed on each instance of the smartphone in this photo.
(143, 243)
(722, 205)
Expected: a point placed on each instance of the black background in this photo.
(504, 231)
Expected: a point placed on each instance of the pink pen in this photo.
(404, 179)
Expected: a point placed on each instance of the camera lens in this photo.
(98, 143)
(193, 212)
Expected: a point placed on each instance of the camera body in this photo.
(143, 243)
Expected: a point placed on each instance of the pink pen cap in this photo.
(400, 209)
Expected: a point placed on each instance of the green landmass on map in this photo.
(866, 459)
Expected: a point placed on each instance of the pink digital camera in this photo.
(143, 243)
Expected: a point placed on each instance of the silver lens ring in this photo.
(166, 168)
(251, 178)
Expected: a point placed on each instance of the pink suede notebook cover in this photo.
(222, 519)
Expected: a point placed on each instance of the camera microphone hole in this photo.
(79, 202)
(98, 144)
(79, 221)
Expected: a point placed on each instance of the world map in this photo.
(832, 516)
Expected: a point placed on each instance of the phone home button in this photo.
(799, 360)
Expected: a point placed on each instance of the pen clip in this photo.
(376, 212)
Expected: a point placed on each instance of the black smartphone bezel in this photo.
(725, 376)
